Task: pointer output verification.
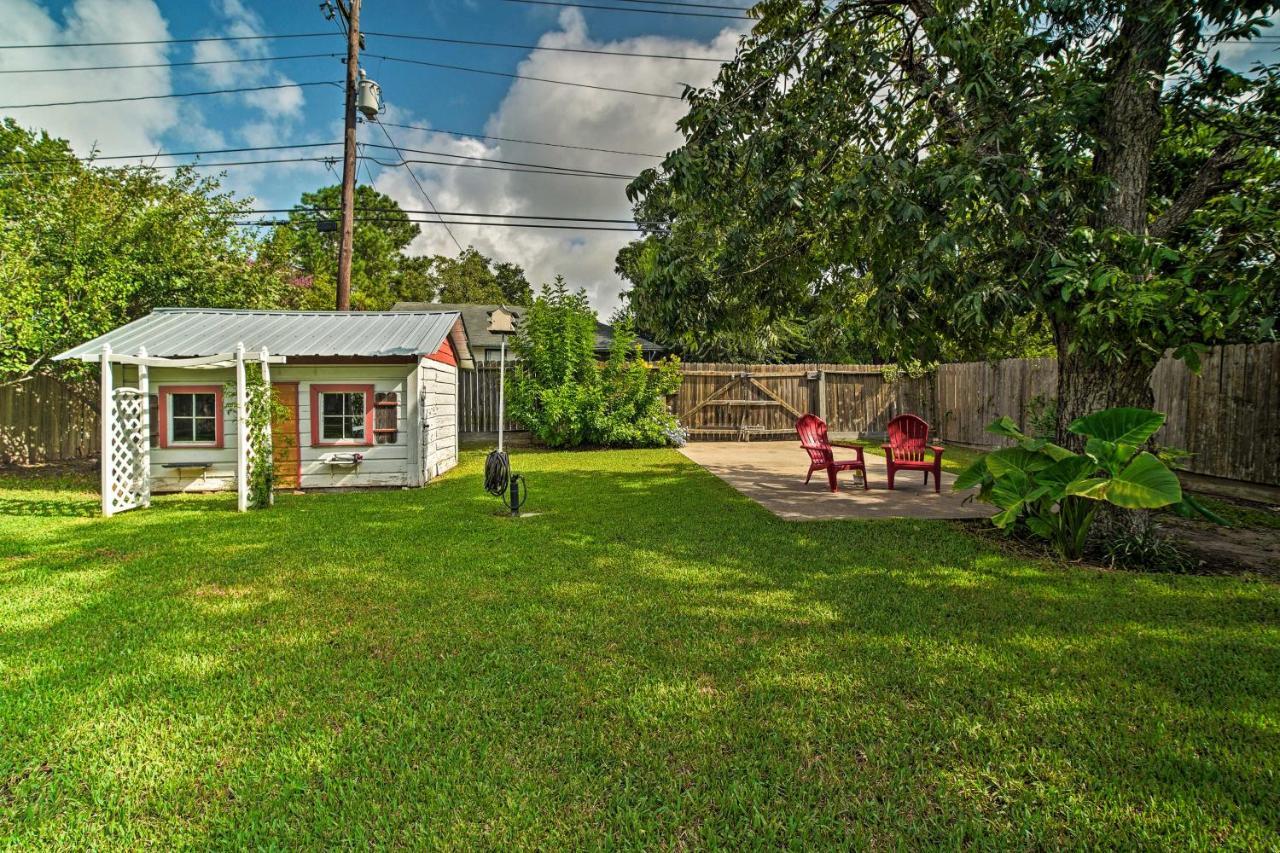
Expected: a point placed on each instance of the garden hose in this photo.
(498, 479)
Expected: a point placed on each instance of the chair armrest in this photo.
(888, 451)
(936, 449)
(855, 447)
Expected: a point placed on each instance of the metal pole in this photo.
(105, 419)
(350, 11)
(502, 390)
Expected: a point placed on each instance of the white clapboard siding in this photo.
(383, 464)
(438, 385)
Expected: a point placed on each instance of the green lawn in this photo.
(650, 661)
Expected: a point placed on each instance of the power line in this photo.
(164, 64)
(96, 157)
(688, 4)
(171, 95)
(447, 222)
(421, 189)
(520, 76)
(325, 209)
(637, 9)
(400, 150)
(523, 141)
(165, 41)
(596, 52)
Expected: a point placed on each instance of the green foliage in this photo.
(562, 395)
(1055, 493)
(84, 249)
(381, 233)
(473, 277)
(1145, 550)
(262, 410)
(978, 179)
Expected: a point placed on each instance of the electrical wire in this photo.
(688, 4)
(171, 95)
(448, 222)
(431, 204)
(593, 51)
(326, 209)
(519, 76)
(399, 149)
(164, 41)
(96, 157)
(637, 9)
(165, 64)
(523, 141)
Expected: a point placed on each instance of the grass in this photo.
(650, 661)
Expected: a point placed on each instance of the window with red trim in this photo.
(341, 414)
(189, 415)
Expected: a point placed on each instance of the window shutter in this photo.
(153, 420)
(385, 418)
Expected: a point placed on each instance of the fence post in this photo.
(242, 436)
(822, 394)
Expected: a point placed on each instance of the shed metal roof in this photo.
(189, 332)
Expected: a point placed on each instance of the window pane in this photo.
(355, 426)
(331, 404)
(332, 427)
(204, 405)
(355, 404)
(183, 429)
(182, 405)
(206, 429)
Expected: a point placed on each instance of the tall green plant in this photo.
(1055, 493)
(262, 410)
(562, 394)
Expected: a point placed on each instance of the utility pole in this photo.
(350, 10)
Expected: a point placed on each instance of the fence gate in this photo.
(128, 482)
(737, 403)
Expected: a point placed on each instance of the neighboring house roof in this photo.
(192, 332)
(476, 319)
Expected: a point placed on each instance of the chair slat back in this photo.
(908, 436)
(813, 438)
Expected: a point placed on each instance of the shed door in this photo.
(285, 450)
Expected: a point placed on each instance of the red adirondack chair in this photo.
(908, 444)
(813, 438)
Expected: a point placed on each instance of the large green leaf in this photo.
(1122, 426)
(1109, 454)
(1005, 426)
(1061, 474)
(1094, 488)
(975, 475)
(1145, 484)
(1001, 462)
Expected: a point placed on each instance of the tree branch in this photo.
(1207, 182)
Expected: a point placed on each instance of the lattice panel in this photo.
(130, 450)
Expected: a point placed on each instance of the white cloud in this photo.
(576, 116)
(128, 127)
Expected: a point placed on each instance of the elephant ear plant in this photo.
(1056, 492)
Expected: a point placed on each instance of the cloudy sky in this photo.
(468, 104)
(454, 107)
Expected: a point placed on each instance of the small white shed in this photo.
(371, 396)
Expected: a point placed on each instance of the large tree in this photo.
(382, 232)
(982, 170)
(475, 277)
(84, 249)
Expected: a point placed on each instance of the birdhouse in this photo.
(501, 322)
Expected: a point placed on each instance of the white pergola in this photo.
(126, 424)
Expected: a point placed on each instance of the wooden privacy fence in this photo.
(45, 419)
(718, 401)
(1227, 416)
(478, 400)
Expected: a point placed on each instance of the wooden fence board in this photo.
(45, 419)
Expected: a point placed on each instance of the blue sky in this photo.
(414, 95)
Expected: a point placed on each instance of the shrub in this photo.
(567, 399)
(1055, 493)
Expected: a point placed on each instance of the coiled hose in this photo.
(498, 478)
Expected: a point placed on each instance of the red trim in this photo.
(446, 354)
(163, 392)
(317, 390)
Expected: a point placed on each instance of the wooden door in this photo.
(286, 452)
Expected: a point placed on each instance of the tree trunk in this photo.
(1087, 384)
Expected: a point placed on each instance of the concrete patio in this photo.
(772, 474)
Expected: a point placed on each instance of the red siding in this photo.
(445, 355)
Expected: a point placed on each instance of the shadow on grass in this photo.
(50, 508)
(652, 654)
